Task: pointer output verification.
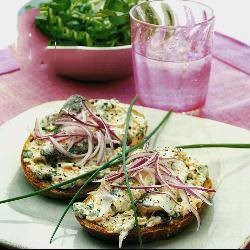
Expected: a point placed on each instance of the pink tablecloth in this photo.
(228, 97)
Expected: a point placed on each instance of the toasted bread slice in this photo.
(68, 192)
(170, 189)
(157, 232)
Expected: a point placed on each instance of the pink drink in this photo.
(171, 41)
(180, 86)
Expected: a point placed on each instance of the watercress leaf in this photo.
(117, 5)
(119, 20)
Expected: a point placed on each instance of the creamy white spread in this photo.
(115, 114)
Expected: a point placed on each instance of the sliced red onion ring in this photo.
(177, 183)
(63, 136)
(202, 197)
(150, 161)
(134, 167)
(90, 148)
(138, 187)
(100, 156)
(135, 164)
(191, 208)
(102, 123)
(120, 172)
(160, 177)
(63, 151)
(98, 136)
(78, 120)
(38, 130)
(197, 193)
(137, 155)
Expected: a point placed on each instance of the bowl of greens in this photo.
(88, 39)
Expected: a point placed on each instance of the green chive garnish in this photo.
(124, 147)
(216, 145)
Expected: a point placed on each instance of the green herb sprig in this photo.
(125, 171)
(215, 145)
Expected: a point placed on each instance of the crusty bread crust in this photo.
(62, 194)
(157, 232)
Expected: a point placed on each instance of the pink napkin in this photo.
(228, 97)
(232, 52)
(7, 64)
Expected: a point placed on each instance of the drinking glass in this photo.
(171, 43)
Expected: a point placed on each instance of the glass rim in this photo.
(172, 26)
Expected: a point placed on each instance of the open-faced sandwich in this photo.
(169, 189)
(75, 140)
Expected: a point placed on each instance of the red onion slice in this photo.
(138, 165)
(78, 120)
(98, 136)
(138, 187)
(70, 144)
(61, 136)
(90, 148)
(202, 197)
(177, 183)
(131, 168)
(137, 155)
(63, 151)
(38, 130)
(150, 161)
(191, 208)
(100, 156)
(102, 123)
(160, 178)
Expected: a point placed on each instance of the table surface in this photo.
(232, 18)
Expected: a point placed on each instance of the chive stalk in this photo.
(215, 145)
(125, 171)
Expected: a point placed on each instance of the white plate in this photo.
(29, 223)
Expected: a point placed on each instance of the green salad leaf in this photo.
(98, 23)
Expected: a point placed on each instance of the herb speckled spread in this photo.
(153, 208)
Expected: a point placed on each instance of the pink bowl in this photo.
(90, 63)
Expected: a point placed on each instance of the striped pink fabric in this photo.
(7, 64)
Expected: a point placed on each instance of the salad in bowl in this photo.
(87, 39)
